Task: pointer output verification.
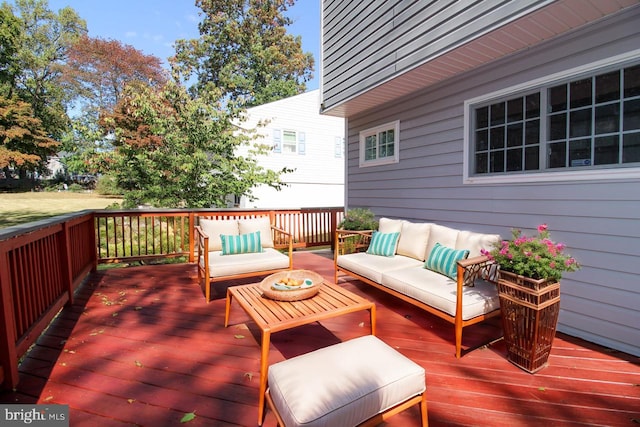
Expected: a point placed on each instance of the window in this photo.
(590, 122)
(289, 142)
(380, 145)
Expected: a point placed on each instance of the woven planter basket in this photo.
(530, 311)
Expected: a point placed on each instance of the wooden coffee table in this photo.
(275, 316)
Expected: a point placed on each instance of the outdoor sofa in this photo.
(237, 248)
(436, 268)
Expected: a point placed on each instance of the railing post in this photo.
(65, 257)
(334, 227)
(8, 355)
(192, 224)
(94, 242)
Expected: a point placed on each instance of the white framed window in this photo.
(289, 142)
(582, 124)
(380, 145)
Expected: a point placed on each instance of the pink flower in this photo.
(560, 247)
(552, 264)
(542, 228)
(569, 261)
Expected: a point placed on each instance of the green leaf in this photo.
(188, 417)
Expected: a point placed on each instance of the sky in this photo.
(152, 26)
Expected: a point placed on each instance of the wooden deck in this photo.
(141, 347)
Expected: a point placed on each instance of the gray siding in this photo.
(366, 43)
(599, 219)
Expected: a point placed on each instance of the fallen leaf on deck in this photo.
(188, 417)
(139, 364)
(239, 336)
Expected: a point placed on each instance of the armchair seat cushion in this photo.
(439, 291)
(231, 265)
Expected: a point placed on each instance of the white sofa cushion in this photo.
(372, 266)
(336, 386)
(261, 224)
(388, 225)
(474, 242)
(440, 234)
(215, 227)
(229, 265)
(439, 291)
(414, 238)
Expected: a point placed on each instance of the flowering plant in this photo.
(536, 257)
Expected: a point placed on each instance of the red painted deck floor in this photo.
(140, 346)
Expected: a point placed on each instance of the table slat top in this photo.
(274, 316)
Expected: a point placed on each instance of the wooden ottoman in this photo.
(360, 382)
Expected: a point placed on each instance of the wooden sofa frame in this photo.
(468, 270)
(204, 277)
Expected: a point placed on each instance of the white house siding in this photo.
(598, 219)
(318, 179)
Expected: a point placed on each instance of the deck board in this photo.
(140, 346)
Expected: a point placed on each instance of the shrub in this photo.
(107, 186)
(359, 219)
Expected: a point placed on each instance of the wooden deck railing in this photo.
(43, 263)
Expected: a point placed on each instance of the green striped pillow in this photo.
(383, 243)
(444, 260)
(241, 244)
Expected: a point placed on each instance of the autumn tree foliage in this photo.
(97, 71)
(245, 51)
(23, 143)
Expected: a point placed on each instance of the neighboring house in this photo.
(303, 140)
(492, 115)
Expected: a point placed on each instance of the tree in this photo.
(172, 150)
(244, 50)
(97, 71)
(23, 144)
(32, 99)
(9, 39)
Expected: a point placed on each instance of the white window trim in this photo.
(395, 125)
(574, 175)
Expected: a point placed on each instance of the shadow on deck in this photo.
(140, 346)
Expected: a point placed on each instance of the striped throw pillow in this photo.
(241, 244)
(444, 260)
(383, 244)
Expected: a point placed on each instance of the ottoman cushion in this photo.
(344, 384)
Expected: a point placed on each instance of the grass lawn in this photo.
(18, 208)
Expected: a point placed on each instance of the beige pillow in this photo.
(215, 227)
(261, 224)
(386, 225)
(413, 240)
(473, 242)
(440, 234)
